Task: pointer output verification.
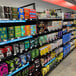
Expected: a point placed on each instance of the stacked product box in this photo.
(66, 38)
(66, 49)
(21, 13)
(14, 13)
(32, 14)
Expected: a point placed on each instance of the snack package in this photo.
(23, 59)
(11, 32)
(27, 45)
(23, 30)
(33, 29)
(8, 50)
(17, 31)
(17, 62)
(15, 49)
(3, 34)
(28, 30)
(11, 66)
(21, 13)
(3, 69)
(21, 47)
(32, 43)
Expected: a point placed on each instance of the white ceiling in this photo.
(40, 5)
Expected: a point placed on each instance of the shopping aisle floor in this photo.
(67, 67)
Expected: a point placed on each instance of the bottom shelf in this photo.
(57, 63)
(18, 69)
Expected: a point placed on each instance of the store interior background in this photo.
(40, 5)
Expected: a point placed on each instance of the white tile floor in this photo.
(67, 67)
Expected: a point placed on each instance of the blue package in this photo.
(23, 59)
(21, 13)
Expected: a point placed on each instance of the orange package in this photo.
(27, 30)
(26, 13)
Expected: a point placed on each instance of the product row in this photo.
(7, 33)
(49, 26)
(16, 63)
(17, 13)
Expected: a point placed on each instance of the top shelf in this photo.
(27, 22)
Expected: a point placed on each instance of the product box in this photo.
(21, 47)
(37, 52)
(17, 74)
(25, 72)
(2, 53)
(41, 40)
(23, 59)
(23, 30)
(28, 30)
(14, 10)
(8, 50)
(17, 62)
(15, 49)
(33, 29)
(3, 34)
(3, 69)
(32, 43)
(26, 13)
(28, 55)
(11, 66)
(36, 42)
(11, 32)
(27, 45)
(21, 13)
(33, 54)
(17, 31)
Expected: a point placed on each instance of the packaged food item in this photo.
(2, 53)
(28, 30)
(33, 54)
(33, 29)
(27, 45)
(15, 49)
(23, 59)
(3, 69)
(8, 50)
(17, 62)
(17, 31)
(3, 34)
(32, 43)
(14, 13)
(23, 30)
(11, 66)
(28, 55)
(26, 13)
(41, 40)
(37, 52)
(21, 13)
(36, 42)
(25, 72)
(21, 47)
(11, 32)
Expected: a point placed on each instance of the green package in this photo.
(27, 45)
(45, 39)
(33, 54)
(11, 66)
(23, 30)
(11, 32)
(36, 41)
(36, 52)
(17, 31)
(41, 40)
(15, 16)
(3, 33)
(14, 10)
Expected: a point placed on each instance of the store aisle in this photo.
(67, 67)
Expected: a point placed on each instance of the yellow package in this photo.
(44, 71)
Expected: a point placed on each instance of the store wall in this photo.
(40, 5)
